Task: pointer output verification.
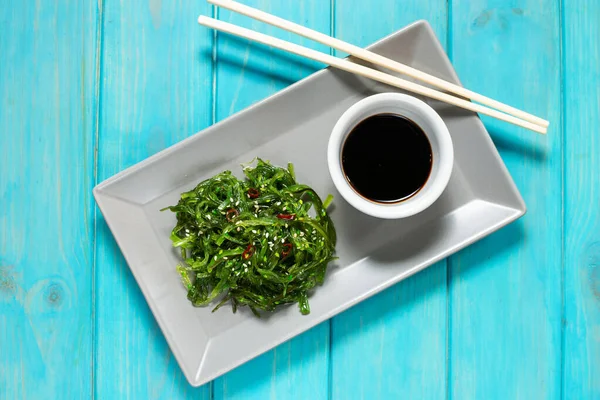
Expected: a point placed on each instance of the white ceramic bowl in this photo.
(433, 126)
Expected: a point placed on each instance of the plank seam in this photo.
(332, 24)
(449, 33)
(215, 15)
(449, 51)
(563, 122)
(96, 141)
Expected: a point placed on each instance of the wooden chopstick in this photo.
(376, 59)
(357, 69)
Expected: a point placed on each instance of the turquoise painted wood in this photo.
(394, 344)
(245, 73)
(47, 114)
(581, 340)
(505, 291)
(155, 79)
(90, 88)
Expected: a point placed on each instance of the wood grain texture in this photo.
(247, 72)
(505, 291)
(581, 47)
(521, 317)
(392, 345)
(156, 81)
(47, 64)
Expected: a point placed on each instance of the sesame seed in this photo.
(237, 202)
(286, 225)
(246, 270)
(270, 243)
(215, 258)
(267, 234)
(295, 235)
(253, 230)
(282, 240)
(284, 208)
(231, 199)
(278, 203)
(225, 258)
(208, 216)
(301, 233)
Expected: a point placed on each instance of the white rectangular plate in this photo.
(294, 126)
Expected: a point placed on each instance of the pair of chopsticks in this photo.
(500, 110)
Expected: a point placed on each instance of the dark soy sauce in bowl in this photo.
(387, 158)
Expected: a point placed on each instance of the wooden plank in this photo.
(505, 291)
(394, 344)
(581, 49)
(47, 107)
(246, 73)
(156, 80)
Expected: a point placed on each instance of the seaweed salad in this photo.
(260, 242)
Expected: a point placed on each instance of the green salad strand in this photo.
(259, 242)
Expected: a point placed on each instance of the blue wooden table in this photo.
(90, 87)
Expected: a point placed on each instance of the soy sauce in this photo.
(387, 158)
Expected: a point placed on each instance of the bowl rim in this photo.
(436, 130)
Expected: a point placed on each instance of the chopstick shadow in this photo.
(144, 320)
(526, 146)
(260, 61)
(505, 142)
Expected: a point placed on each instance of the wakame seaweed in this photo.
(260, 242)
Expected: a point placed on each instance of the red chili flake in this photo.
(287, 249)
(232, 213)
(248, 252)
(253, 193)
(286, 216)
